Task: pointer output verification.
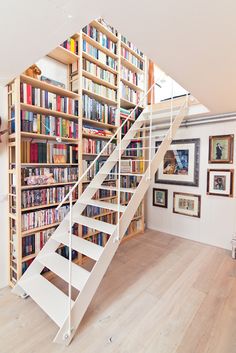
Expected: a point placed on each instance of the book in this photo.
(100, 37)
(95, 110)
(59, 174)
(99, 89)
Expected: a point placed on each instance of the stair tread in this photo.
(51, 299)
(103, 204)
(85, 247)
(114, 188)
(95, 224)
(60, 266)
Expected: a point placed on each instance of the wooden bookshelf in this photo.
(16, 185)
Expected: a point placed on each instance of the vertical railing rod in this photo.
(150, 134)
(171, 109)
(119, 185)
(70, 264)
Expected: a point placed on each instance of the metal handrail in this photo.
(105, 147)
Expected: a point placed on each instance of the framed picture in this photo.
(160, 198)
(187, 204)
(220, 182)
(221, 149)
(180, 165)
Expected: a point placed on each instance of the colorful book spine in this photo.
(94, 110)
(100, 37)
(99, 89)
(59, 174)
(99, 72)
(99, 55)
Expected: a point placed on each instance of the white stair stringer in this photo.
(89, 281)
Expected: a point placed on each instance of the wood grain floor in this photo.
(161, 294)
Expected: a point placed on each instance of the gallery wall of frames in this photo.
(193, 194)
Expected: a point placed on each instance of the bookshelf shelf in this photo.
(105, 108)
(99, 97)
(45, 111)
(48, 87)
(63, 55)
(133, 52)
(130, 66)
(98, 80)
(29, 187)
(132, 85)
(98, 124)
(47, 137)
(104, 30)
(99, 46)
(99, 63)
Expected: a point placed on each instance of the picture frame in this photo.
(187, 204)
(220, 182)
(180, 165)
(160, 197)
(221, 148)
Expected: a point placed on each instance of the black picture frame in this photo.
(196, 163)
(165, 192)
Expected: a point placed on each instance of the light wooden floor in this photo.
(162, 294)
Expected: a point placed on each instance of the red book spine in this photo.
(58, 103)
(36, 157)
(29, 94)
(32, 153)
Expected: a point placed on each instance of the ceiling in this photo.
(192, 41)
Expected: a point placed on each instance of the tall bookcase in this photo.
(57, 131)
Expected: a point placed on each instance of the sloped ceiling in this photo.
(192, 41)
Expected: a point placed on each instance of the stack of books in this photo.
(101, 38)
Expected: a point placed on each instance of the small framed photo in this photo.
(221, 149)
(160, 198)
(187, 204)
(220, 182)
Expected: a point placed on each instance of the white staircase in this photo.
(65, 312)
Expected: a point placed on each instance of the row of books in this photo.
(99, 72)
(47, 196)
(71, 45)
(95, 110)
(131, 45)
(132, 58)
(96, 131)
(59, 174)
(129, 181)
(100, 37)
(95, 169)
(43, 218)
(45, 99)
(92, 211)
(126, 127)
(99, 55)
(94, 87)
(124, 113)
(134, 149)
(133, 77)
(130, 94)
(132, 165)
(94, 146)
(33, 243)
(48, 125)
(134, 227)
(110, 28)
(99, 239)
(46, 152)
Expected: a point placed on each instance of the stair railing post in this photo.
(119, 186)
(150, 134)
(171, 108)
(70, 267)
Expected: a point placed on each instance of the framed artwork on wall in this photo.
(221, 149)
(180, 165)
(160, 198)
(187, 204)
(220, 182)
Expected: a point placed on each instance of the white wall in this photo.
(218, 214)
(3, 194)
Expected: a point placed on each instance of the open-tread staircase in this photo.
(65, 312)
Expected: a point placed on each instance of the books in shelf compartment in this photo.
(133, 77)
(45, 99)
(131, 45)
(71, 44)
(132, 59)
(134, 149)
(33, 243)
(99, 72)
(60, 174)
(124, 113)
(134, 227)
(98, 89)
(101, 38)
(48, 125)
(46, 152)
(130, 94)
(132, 166)
(94, 110)
(95, 169)
(99, 55)
(96, 131)
(95, 146)
(47, 196)
(110, 28)
(43, 217)
(99, 239)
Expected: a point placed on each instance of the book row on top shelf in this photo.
(58, 127)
